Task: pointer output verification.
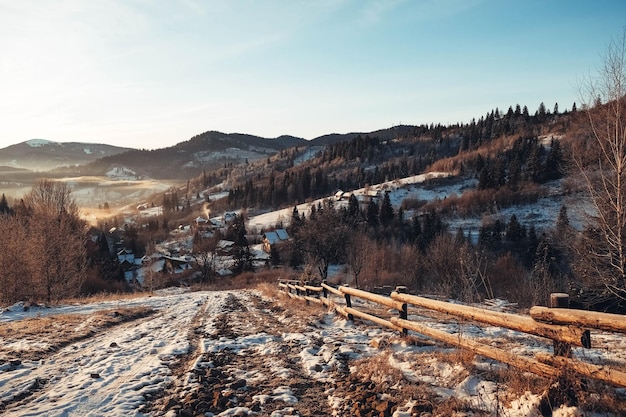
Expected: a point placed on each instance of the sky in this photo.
(152, 73)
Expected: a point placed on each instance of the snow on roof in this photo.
(257, 252)
(276, 236)
(271, 237)
(223, 244)
(282, 234)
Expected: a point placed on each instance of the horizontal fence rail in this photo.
(564, 327)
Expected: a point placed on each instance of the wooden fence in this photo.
(562, 326)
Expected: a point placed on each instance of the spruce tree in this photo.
(386, 211)
(4, 205)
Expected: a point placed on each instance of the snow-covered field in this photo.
(236, 353)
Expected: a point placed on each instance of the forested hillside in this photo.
(505, 159)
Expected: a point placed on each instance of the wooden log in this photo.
(313, 299)
(525, 324)
(342, 311)
(332, 290)
(500, 355)
(376, 298)
(374, 319)
(297, 296)
(328, 303)
(313, 289)
(592, 319)
(601, 373)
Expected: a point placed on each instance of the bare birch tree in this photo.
(602, 163)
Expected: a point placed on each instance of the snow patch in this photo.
(37, 143)
(121, 173)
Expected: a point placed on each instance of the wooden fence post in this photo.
(348, 304)
(404, 313)
(560, 300)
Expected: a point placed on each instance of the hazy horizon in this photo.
(150, 75)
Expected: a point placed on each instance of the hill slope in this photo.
(44, 155)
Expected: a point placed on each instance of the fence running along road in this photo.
(562, 326)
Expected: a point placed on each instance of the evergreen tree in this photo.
(416, 229)
(386, 211)
(353, 207)
(4, 205)
(242, 254)
(533, 168)
(562, 221)
(515, 172)
(496, 231)
(541, 111)
(514, 229)
(372, 214)
(554, 161)
(533, 243)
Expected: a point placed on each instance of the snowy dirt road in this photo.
(194, 345)
(238, 353)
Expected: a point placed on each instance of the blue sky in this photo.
(151, 73)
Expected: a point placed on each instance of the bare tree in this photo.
(605, 178)
(357, 252)
(57, 240)
(15, 268)
(205, 255)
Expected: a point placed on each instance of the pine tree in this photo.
(514, 229)
(4, 205)
(386, 211)
(562, 221)
(372, 214)
(554, 161)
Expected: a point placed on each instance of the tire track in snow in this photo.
(246, 366)
(111, 373)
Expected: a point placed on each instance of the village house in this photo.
(271, 239)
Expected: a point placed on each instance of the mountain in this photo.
(383, 134)
(208, 150)
(44, 155)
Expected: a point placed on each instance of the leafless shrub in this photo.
(457, 269)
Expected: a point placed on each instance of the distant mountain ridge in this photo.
(45, 155)
(206, 150)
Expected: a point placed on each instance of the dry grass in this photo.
(299, 310)
(377, 369)
(35, 337)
